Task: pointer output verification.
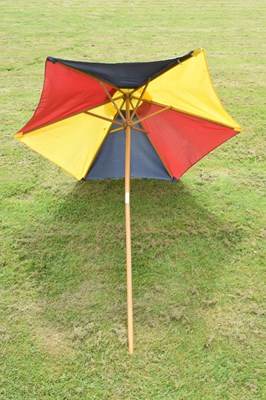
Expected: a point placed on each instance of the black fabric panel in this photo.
(110, 162)
(124, 75)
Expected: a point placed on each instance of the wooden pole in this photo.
(128, 229)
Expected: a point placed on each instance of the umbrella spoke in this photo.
(153, 114)
(113, 102)
(116, 130)
(139, 99)
(136, 128)
(101, 117)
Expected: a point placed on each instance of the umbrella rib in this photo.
(154, 102)
(101, 117)
(107, 133)
(131, 117)
(135, 128)
(116, 130)
(113, 102)
(116, 122)
(153, 114)
(185, 112)
(70, 115)
(139, 99)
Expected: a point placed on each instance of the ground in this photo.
(198, 266)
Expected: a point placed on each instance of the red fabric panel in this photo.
(181, 139)
(65, 92)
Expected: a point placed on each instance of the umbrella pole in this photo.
(128, 229)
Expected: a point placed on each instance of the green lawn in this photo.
(198, 266)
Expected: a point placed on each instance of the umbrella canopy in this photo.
(139, 119)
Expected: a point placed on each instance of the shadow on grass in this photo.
(178, 245)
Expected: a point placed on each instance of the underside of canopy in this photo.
(176, 117)
(123, 75)
(110, 161)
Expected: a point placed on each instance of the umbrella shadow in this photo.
(162, 214)
(174, 239)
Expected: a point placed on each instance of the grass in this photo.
(198, 266)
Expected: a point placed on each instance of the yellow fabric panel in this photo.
(72, 143)
(188, 88)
